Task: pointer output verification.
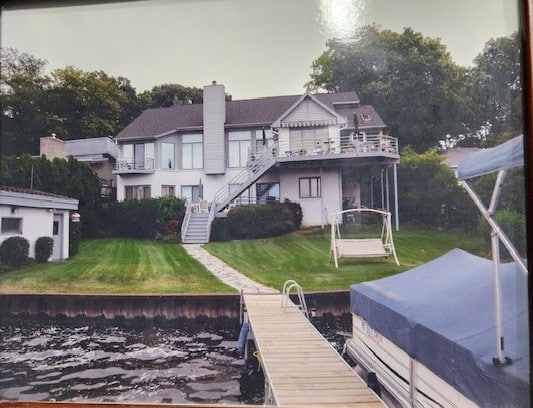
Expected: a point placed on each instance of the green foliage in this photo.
(70, 178)
(74, 238)
(220, 230)
(43, 249)
(145, 218)
(259, 221)
(410, 79)
(430, 195)
(163, 96)
(514, 226)
(14, 251)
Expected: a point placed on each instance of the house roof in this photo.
(26, 197)
(153, 123)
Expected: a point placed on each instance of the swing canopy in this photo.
(362, 247)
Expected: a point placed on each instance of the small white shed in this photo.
(33, 214)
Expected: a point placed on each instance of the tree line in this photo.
(425, 98)
(70, 102)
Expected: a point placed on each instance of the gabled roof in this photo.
(329, 111)
(153, 123)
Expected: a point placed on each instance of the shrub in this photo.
(43, 249)
(512, 223)
(260, 221)
(220, 230)
(167, 239)
(14, 251)
(74, 238)
(147, 217)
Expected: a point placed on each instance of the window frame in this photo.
(310, 187)
(7, 230)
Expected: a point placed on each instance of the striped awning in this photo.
(308, 123)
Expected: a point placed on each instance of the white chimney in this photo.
(214, 119)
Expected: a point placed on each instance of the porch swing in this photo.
(361, 247)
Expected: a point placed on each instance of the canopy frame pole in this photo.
(494, 225)
(500, 359)
(396, 219)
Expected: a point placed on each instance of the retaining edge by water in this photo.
(151, 306)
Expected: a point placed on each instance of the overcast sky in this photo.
(254, 47)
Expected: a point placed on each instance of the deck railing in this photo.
(135, 164)
(369, 145)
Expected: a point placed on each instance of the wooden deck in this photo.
(301, 368)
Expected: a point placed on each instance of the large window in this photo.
(11, 226)
(139, 156)
(136, 192)
(167, 155)
(167, 190)
(310, 187)
(192, 151)
(191, 193)
(264, 137)
(238, 146)
(307, 140)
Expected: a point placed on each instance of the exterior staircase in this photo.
(196, 226)
(259, 162)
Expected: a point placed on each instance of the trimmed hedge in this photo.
(146, 218)
(43, 249)
(14, 251)
(257, 221)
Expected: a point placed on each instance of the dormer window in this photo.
(365, 117)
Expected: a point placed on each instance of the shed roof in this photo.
(26, 197)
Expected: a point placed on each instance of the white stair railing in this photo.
(260, 161)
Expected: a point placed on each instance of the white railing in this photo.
(185, 223)
(368, 145)
(135, 164)
(259, 161)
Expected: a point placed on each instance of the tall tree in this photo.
(163, 96)
(499, 85)
(25, 111)
(91, 104)
(410, 79)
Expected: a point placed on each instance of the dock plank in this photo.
(301, 367)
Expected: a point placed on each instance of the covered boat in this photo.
(428, 333)
(454, 331)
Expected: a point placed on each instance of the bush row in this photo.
(146, 218)
(14, 251)
(257, 221)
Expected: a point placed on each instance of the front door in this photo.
(57, 235)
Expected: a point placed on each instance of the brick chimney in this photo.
(214, 119)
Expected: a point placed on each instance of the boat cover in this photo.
(442, 315)
(505, 156)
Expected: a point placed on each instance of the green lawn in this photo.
(137, 266)
(303, 256)
(117, 266)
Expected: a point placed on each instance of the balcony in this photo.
(134, 166)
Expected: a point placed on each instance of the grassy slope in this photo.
(117, 266)
(303, 256)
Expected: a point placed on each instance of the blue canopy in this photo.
(505, 156)
(442, 314)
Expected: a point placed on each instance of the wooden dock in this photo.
(301, 367)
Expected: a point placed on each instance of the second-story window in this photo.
(192, 151)
(139, 155)
(238, 145)
(167, 155)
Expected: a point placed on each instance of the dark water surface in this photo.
(144, 361)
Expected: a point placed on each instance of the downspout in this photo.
(396, 216)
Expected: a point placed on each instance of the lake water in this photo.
(97, 361)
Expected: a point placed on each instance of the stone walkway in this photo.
(224, 272)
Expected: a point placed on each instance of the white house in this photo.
(319, 150)
(33, 214)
